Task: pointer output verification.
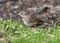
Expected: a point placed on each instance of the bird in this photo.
(29, 20)
(34, 19)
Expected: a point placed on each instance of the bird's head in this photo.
(23, 14)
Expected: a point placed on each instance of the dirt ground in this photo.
(11, 8)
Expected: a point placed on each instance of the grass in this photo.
(16, 32)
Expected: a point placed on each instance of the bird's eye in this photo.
(22, 13)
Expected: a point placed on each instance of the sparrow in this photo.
(29, 20)
(33, 19)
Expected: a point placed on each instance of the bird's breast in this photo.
(27, 23)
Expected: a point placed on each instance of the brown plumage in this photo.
(42, 16)
(29, 20)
